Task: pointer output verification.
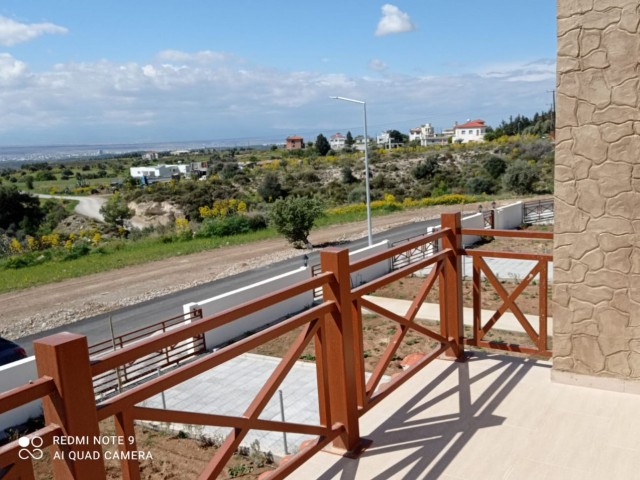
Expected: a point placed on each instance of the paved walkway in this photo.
(230, 388)
(503, 268)
(431, 311)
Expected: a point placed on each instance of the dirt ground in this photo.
(173, 457)
(30, 310)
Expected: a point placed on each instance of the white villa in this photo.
(337, 141)
(427, 135)
(472, 131)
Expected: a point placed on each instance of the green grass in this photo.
(118, 254)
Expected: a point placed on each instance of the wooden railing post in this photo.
(451, 288)
(339, 357)
(65, 358)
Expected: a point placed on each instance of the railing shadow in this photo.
(433, 442)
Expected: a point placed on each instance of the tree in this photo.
(349, 141)
(397, 137)
(19, 210)
(495, 165)
(481, 184)
(270, 189)
(347, 175)
(294, 218)
(426, 169)
(520, 177)
(116, 211)
(322, 145)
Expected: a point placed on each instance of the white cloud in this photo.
(540, 70)
(12, 32)
(394, 20)
(177, 96)
(205, 56)
(11, 69)
(377, 65)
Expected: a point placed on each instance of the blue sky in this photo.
(75, 72)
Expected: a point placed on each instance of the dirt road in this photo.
(35, 309)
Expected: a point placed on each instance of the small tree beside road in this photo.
(116, 211)
(294, 218)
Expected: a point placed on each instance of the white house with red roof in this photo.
(472, 131)
(337, 141)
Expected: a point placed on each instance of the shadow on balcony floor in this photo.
(494, 417)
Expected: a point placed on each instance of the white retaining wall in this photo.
(374, 271)
(509, 217)
(472, 221)
(14, 375)
(239, 327)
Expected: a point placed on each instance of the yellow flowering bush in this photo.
(222, 208)
(15, 246)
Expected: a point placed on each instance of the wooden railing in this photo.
(334, 326)
(540, 270)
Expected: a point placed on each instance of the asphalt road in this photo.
(153, 311)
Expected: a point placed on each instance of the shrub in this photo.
(294, 218)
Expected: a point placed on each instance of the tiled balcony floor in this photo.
(493, 417)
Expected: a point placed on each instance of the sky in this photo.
(89, 72)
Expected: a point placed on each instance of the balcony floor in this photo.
(493, 417)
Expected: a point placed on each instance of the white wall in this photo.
(12, 376)
(374, 271)
(239, 327)
(473, 221)
(509, 217)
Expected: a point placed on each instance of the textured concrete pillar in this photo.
(596, 294)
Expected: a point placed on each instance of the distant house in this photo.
(384, 140)
(150, 156)
(294, 142)
(427, 135)
(472, 131)
(159, 173)
(337, 141)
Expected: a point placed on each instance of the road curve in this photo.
(87, 206)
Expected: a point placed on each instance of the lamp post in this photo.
(366, 164)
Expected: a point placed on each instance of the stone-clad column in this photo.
(596, 294)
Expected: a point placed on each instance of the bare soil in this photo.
(174, 457)
(38, 308)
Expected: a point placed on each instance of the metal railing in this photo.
(334, 326)
(413, 254)
(131, 373)
(537, 211)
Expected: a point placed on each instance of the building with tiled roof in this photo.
(471, 131)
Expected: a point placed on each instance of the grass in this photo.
(118, 254)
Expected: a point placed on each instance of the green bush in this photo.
(79, 249)
(231, 225)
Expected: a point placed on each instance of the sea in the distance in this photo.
(41, 153)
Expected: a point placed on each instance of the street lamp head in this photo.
(361, 102)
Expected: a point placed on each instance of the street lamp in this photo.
(366, 163)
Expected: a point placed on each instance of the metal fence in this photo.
(116, 380)
(414, 253)
(537, 211)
